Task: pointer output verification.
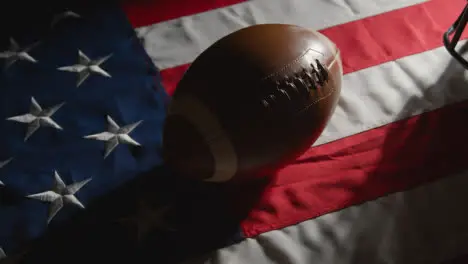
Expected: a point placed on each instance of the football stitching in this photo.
(332, 90)
(285, 67)
(314, 77)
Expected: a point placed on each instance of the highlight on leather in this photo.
(271, 89)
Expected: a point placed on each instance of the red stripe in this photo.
(171, 77)
(144, 13)
(364, 167)
(379, 39)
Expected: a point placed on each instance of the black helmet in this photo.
(456, 31)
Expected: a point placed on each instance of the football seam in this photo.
(206, 122)
(301, 82)
(332, 90)
(287, 66)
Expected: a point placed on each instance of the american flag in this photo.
(83, 102)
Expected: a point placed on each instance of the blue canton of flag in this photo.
(81, 113)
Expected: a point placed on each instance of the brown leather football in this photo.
(252, 103)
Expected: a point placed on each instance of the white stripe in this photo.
(179, 41)
(425, 225)
(396, 90)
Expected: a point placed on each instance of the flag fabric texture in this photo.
(83, 106)
(81, 112)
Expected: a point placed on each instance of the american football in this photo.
(252, 103)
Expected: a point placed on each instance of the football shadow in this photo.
(200, 218)
(411, 215)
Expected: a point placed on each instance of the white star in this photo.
(115, 135)
(147, 219)
(15, 53)
(3, 164)
(86, 66)
(64, 15)
(59, 195)
(37, 117)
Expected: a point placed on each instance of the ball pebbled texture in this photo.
(252, 103)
